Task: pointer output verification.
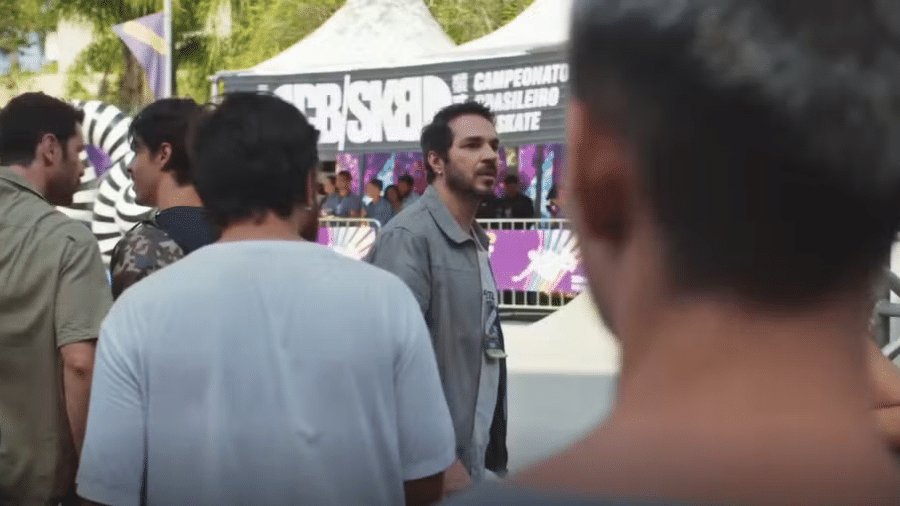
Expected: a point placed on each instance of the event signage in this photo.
(384, 110)
(545, 261)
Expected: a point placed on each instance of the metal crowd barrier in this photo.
(535, 262)
(536, 237)
(351, 237)
(884, 311)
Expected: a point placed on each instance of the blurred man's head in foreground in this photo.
(736, 149)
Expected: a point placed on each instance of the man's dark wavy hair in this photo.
(167, 121)
(767, 132)
(252, 154)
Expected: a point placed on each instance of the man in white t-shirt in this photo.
(227, 379)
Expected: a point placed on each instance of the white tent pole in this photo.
(167, 32)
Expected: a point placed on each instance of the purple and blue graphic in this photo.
(351, 163)
(536, 260)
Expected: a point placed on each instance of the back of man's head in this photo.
(767, 135)
(167, 121)
(27, 118)
(253, 154)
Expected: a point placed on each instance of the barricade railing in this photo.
(884, 311)
(536, 263)
(351, 237)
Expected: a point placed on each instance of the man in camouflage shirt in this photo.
(161, 173)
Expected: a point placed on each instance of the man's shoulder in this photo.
(414, 217)
(146, 246)
(29, 211)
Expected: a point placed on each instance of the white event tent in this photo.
(364, 34)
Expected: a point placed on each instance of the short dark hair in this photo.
(346, 175)
(406, 178)
(378, 183)
(766, 143)
(167, 121)
(27, 118)
(254, 153)
(511, 179)
(438, 137)
(332, 179)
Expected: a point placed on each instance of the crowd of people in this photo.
(736, 201)
(337, 200)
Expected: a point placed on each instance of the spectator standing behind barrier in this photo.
(405, 185)
(328, 188)
(436, 246)
(343, 203)
(379, 209)
(162, 178)
(392, 195)
(214, 385)
(555, 203)
(53, 295)
(749, 179)
(514, 204)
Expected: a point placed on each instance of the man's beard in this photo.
(458, 182)
(60, 192)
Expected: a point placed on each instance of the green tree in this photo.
(195, 24)
(20, 20)
(214, 35)
(466, 20)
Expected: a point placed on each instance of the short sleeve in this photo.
(405, 255)
(426, 435)
(112, 461)
(83, 298)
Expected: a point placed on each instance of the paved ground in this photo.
(562, 373)
(548, 412)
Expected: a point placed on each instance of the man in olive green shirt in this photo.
(54, 294)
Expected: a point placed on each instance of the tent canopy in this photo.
(543, 23)
(364, 34)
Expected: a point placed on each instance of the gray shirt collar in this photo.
(445, 221)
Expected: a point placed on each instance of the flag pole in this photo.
(167, 31)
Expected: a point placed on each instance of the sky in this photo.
(31, 57)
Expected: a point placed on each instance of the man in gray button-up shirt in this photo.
(439, 250)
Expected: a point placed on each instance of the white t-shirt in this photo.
(264, 372)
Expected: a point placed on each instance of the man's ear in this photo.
(164, 154)
(602, 176)
(435, 161)
(46, 150)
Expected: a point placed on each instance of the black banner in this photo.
(384, 110)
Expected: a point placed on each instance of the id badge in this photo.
(493, 349)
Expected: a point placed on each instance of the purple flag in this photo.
(145, 38)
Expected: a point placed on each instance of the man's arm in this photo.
(424, 491)
(78, 368)
(405, 255)
(82, 302)
(112, 463)
(426, 436)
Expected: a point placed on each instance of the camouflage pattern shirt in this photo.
(152, 244)
(144, 249)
